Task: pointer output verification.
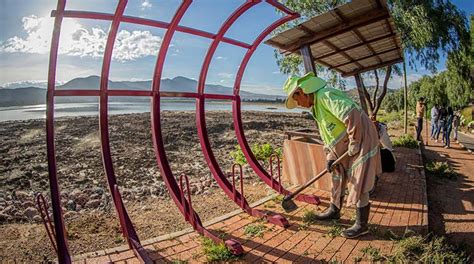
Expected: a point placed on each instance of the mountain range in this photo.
(36, 95)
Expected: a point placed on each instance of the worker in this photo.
(343, 126)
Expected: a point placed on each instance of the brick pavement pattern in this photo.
(399, 204)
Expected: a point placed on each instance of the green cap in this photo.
(309, 83)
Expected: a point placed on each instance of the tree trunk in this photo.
(360, 91)
(384, 91)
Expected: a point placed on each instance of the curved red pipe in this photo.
(128, 230)
(219, 176)
(237, 114)
(61, 240)
(158, 143)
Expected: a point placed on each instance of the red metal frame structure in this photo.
(176, 190)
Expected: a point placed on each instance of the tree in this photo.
(426, 26)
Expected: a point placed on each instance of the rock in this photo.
(5, 218)
(95, 196)
(28, 204)
(71, 205)
(22, 195)
(91, 204)
(69, 214)
(30, 212)
(9, 209)
(37, 218)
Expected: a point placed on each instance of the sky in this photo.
(26, 28)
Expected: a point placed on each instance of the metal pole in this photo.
(405, 99)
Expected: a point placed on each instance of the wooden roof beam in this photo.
(345, 55)
(356, 46)
(364, 58)
(387, 63)
(360, 21)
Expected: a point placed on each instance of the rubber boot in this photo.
(332, 213)
(360, 226)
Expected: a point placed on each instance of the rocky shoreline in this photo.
(23, 167)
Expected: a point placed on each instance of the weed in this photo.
(335, 229)
(441, 170)
(261, 152)
(278, 198)
(216, 252)
(372, 253)
(421, 249)
(309, 217)
(357, 259)
(178, 261)
(256, 230)
(406, 141)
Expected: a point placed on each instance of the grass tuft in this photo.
(216, 252)
(335, 229)
(441, 170)
(256, 230)
(373, 253)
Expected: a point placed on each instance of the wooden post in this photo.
(308, 59)
(363, 103)
(405, 99)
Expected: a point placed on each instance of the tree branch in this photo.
(384, 90)
(367, 98)
(376, 86)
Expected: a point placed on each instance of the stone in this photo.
(5, 218)
(91, 204)
(22, 195)
(28, 204)
(37, 218)
(71, 205)
(30, 212)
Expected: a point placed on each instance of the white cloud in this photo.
(30, 83)
(225, 75)
(146, 5)
(78, 41)
(220, 58)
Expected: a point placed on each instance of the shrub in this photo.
(441, 170)
(216, 252)
(261, 152)
(406, 141)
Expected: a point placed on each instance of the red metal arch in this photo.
(176, 191)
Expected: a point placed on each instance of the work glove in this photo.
(353, 149)
(329, 165)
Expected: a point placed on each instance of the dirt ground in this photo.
(90, 217)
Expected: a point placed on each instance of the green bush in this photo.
(216, 252)
(406, 141)
(261, 152)
(441, 170)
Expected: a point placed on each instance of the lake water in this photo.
(91, 109)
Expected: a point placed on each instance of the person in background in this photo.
(434, 120)
(456, 124)
(448, 126)
(441, 121)
(420, 112)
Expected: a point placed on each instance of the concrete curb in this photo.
(425, 222)
(462, 145)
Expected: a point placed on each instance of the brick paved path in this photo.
(400, 203)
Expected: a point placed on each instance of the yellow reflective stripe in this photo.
(363, 159)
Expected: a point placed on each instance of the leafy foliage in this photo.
(406, 141)
(441, 170)
(261, 152)
(216, 252)
(255, 230)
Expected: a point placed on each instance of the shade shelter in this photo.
(351, 39)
